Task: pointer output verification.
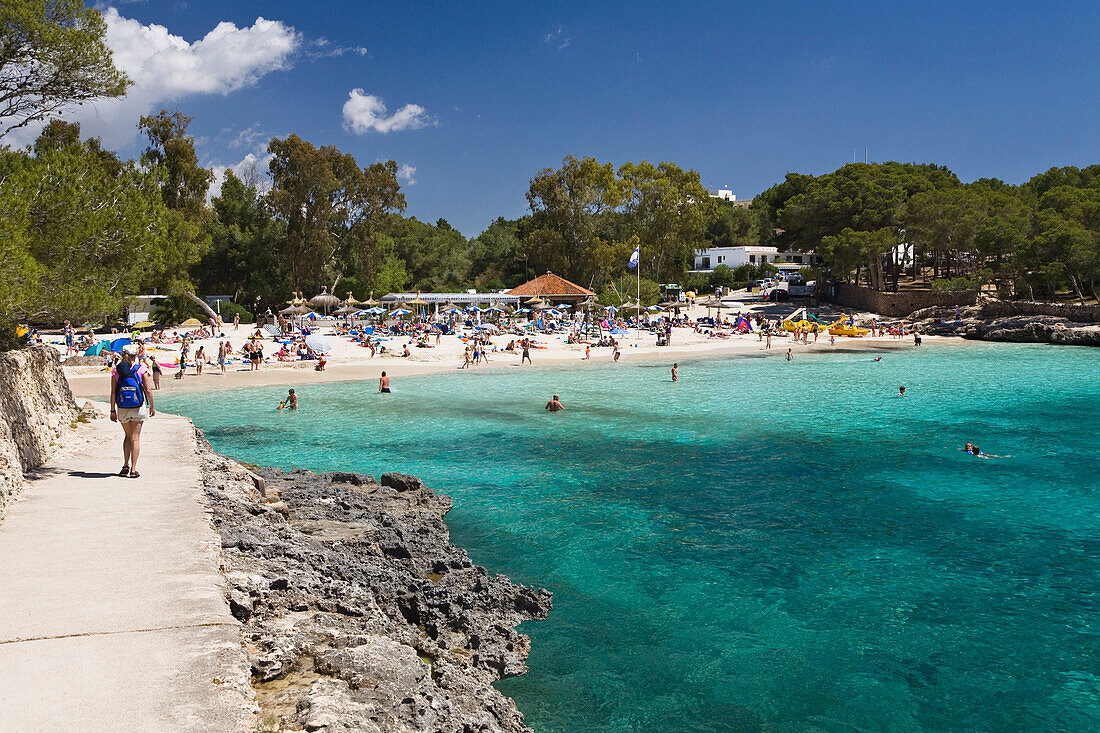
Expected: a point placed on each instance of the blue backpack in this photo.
(129, 391)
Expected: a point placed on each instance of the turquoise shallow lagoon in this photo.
(764, 545)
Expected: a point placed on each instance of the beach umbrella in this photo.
(535, 302)
(319, 343)
(486, 327)
(296, 310)
(449, 307)
(143, 324)
(400, 312)
(494, 309)
(473, 309)
(631, 305)
(324, 300)
(416, 300)
(375, 310)
(191, 322)
(523, 310)
(370, 299)
(350, 301)
(554, 312)
(345, 310)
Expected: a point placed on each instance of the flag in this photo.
(633, 258)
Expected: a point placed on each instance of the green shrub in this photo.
(8, 338)
(973, 281)
(228, 310)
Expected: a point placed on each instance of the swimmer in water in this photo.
(901, 391)
(877, 358)
(291, 401)
(975, 451)
(555, 405)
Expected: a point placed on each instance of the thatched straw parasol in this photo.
(324, 300)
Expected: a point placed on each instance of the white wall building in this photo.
(141, 307)
(723, 193)
(707, 259)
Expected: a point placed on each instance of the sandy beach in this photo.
(348, 361)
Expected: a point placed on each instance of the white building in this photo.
(733, 257)
(141, 307)
(723, 193)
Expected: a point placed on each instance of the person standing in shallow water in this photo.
(555, 405)
(675, 376)
(383, 384)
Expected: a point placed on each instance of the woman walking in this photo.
(131, 405)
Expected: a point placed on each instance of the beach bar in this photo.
(552, 288)
(436, 300)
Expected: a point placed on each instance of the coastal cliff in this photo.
(36, 409)
(359, 614)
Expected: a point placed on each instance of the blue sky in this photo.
(741, 92)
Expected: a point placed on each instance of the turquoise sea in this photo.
(765, 545)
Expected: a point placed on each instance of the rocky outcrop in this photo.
(36, 408)
(359, 614)
(985, 323)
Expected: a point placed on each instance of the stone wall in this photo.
(897, 305)
(36, 407)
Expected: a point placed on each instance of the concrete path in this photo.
(112, 616)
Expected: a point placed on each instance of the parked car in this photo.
(778, 295)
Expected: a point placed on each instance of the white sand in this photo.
(350, 361)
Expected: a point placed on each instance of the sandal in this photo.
(134, 474)
(125, 471)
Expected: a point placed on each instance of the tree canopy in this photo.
(52, 56)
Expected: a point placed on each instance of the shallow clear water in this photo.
(764, 545)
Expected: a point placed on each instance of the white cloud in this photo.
(247, 137)
(407, 174)
(166, 68)
(557, 37)
(322, 48)
(365, 112)
(253, 169)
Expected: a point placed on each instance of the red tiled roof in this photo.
(551, 286)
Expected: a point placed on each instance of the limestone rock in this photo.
(36, 408)
(361, 614)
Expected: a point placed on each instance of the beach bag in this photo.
(128, 390)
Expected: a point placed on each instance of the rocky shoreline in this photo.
(358, 613)
(994, 321)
